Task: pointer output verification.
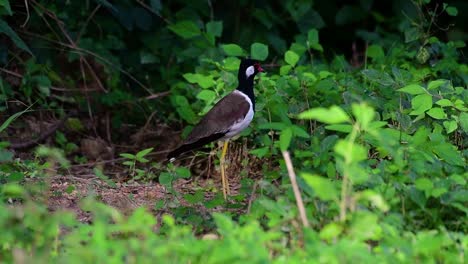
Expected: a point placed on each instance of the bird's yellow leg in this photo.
(224, 180)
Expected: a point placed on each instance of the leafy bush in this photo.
(378, 140)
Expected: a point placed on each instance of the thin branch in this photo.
(27, 13)
(78, 37)
(297, 194)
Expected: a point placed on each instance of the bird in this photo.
(228, 117)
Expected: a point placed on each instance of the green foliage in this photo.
(379, 141)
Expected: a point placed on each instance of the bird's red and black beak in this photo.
(258, 67)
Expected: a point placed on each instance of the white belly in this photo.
(242, 123)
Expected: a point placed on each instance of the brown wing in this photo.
(215, 124)
(229, 110)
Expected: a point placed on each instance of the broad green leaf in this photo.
(285, 138)
(207, 95)
(182, 172)
(231, 63)
(437, 113)
(165, 179)
(215, 28)
(421, 103)
(450, 126)
(364, 114)
(350, 151)
(7, 30)
(186, 29)
(332, 115)
(452, 11)
(184, 109)
(202, 80)
(285, 69)
(299, 132)
(375, 52)
(413, 89)
(382, 78)
(436, 84)
(324, 74)
(376, 199)
(5, 155)
(331, 231)
(463, 119)
(444, 102)
(233, 50)
(6, 5)
(313, 40)
(322, 187)
(424, 184)
(449, 153)
(345, 128)
(259, 51)
(291, 58)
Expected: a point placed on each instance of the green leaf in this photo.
(207, 95)
(259, 51)
(291, 58)
(413, 89)
(424, 184)
(375, 52)
(449, 153)
(437, 113)
(332, 115)
(313, 40)
(233, 50)
(6, 5)
(421, 103)
(463, 119)
(330, 231)
(7, 30)
(185, 29)
(345, 128)
(364, 114)
(322, 187)
(350, 151)
(285, 69)
(127, 156)
(165, 179)
(202, 80)
(285, 138)
(436, 84)
(382, 78)
(450, 126)
(12, 118)
(444, 102)
(452, 11)
(184, 109)
(182, 172)
(143, 153)
(215, 28)
(5, 155)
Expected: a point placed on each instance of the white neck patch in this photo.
(250, 70)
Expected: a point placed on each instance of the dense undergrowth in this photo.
(378, 141)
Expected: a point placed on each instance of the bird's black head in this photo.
(248, 69)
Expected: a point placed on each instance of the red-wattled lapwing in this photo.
(226, 119)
